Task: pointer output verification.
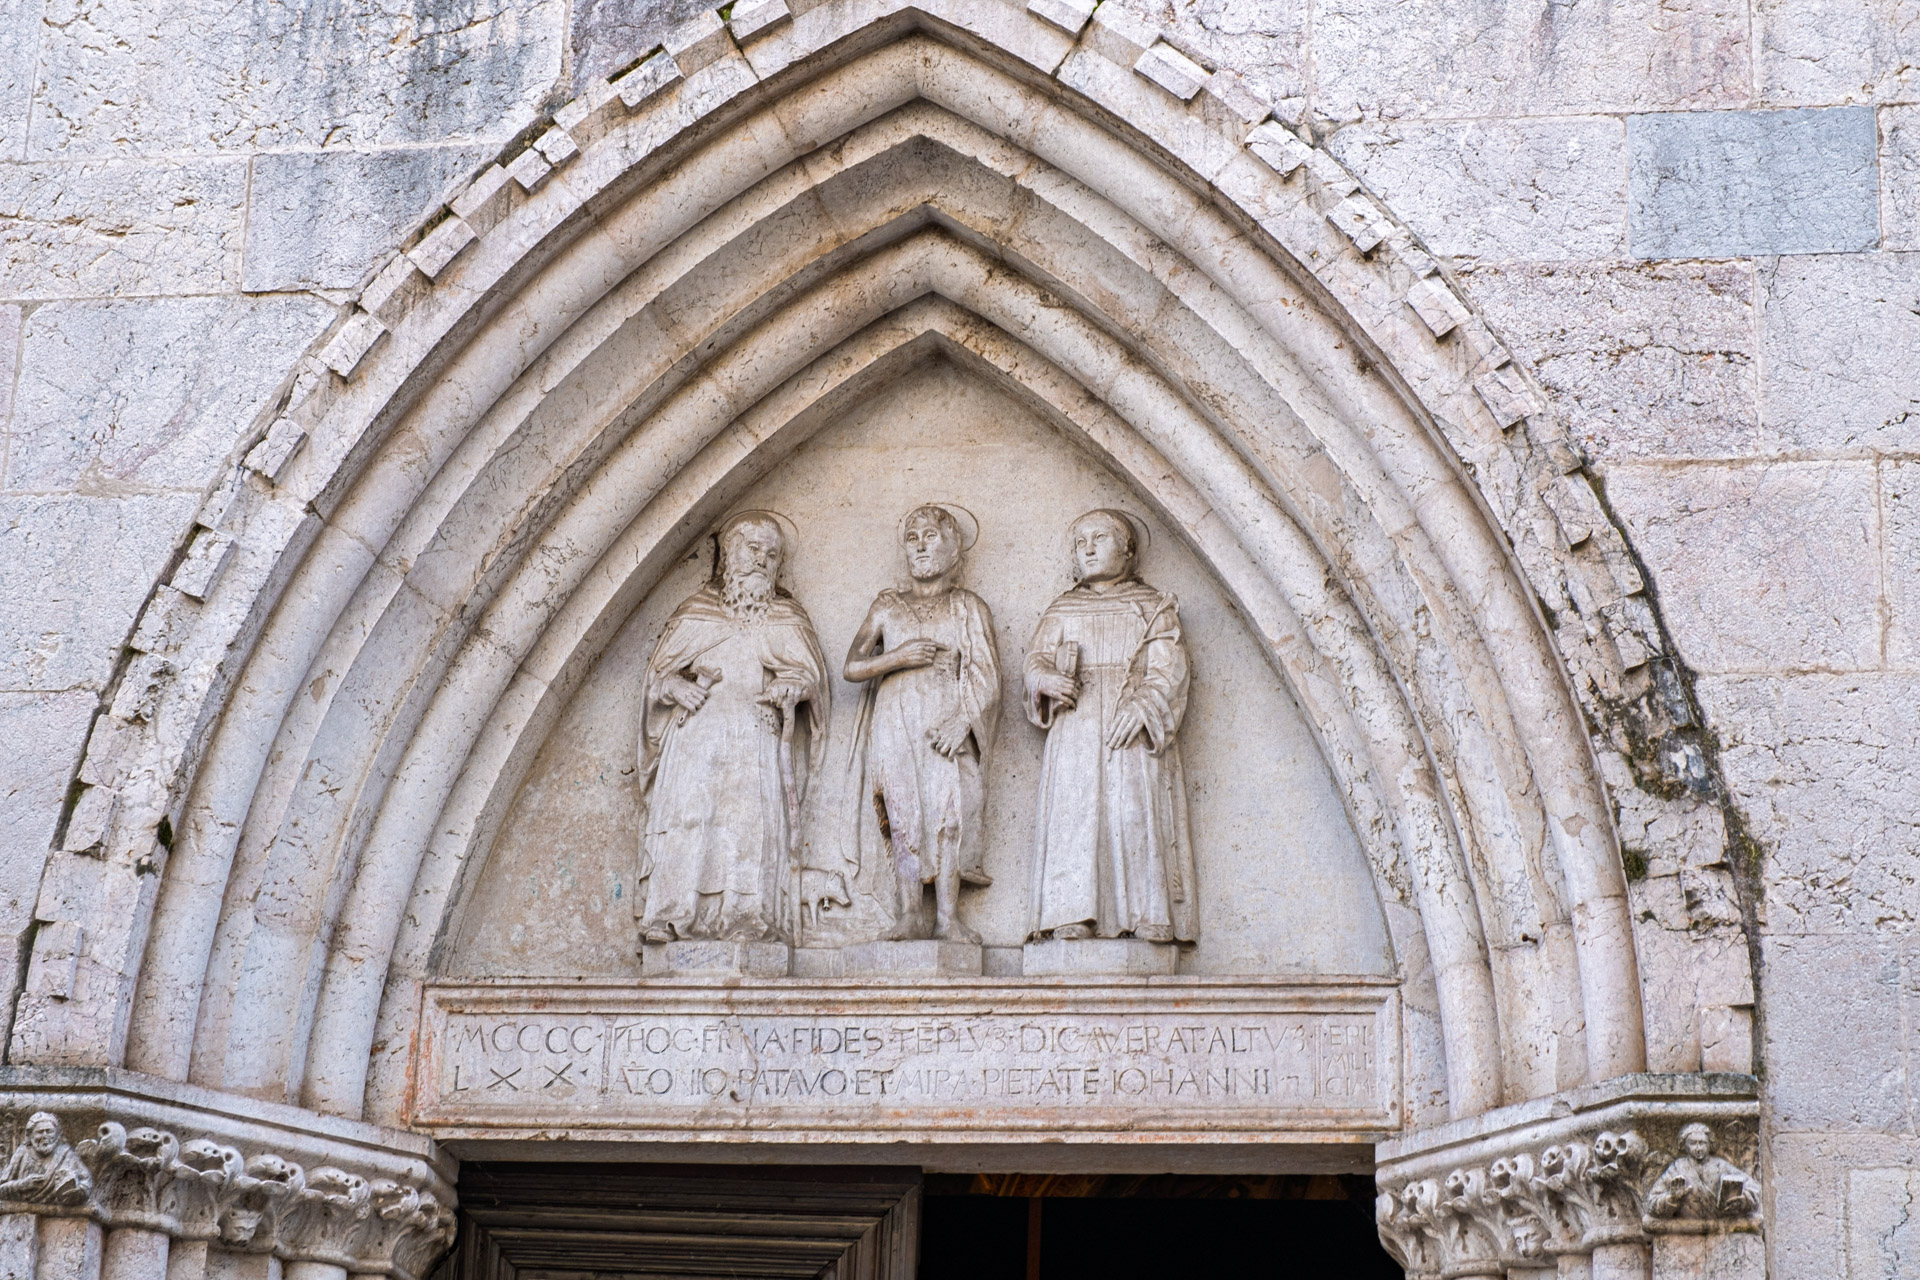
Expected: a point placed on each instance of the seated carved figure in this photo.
(1701, 1185)
(44, 1168)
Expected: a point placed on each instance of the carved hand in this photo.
(915, 653)
(682, 692)
(784, 694)
(1062, 689)
(1128, 720)
(950, 736)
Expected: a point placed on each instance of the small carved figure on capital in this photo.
(932, 673)
(1701, 1187)
(44, 1169)
(1107, 678)
(736, 669)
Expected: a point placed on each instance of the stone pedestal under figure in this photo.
(736, 668)
(1107, 678)
(926, 654)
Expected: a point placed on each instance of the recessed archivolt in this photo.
(496, 487)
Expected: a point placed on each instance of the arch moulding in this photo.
(532, 412)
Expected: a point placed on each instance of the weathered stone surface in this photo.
(321, 219)
(1652, 360)
(1727, 183)
(1816, 52)
(1534, 189)
(1900, 177)
(1492, 57)
(198, 75)
(1900, 513)
(1883, 1231)
(607, 35)
(41, 736)
(1823, 768)
(72, 230)
(1760, 566)
(20, 32)
(1831, 989)
(1827, 325)
(151, 393)
(1263, 40)
(63, 626)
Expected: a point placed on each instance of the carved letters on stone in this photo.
(146, 1178)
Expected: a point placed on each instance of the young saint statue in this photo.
(1106, 677)
(926, 655)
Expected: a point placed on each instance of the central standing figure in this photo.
(737, 662)
(927, 655)
(1107, 679)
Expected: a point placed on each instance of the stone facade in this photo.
(1623, 297)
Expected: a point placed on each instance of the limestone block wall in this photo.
(1699, 220)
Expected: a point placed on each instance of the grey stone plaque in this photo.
(1153, 1058)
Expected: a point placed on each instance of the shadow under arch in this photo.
(403, 609)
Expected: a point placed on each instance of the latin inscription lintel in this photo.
(1156, 1060)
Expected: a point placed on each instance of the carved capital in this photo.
(196, 1165)
(1611, 1164)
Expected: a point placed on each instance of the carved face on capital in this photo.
(1696, 1141)
(43, 1133)
(932, 543)
(1102, 547)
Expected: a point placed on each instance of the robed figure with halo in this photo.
(736, 669)
(925, 652)
(1107, 678)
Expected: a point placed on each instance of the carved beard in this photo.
(746, 595)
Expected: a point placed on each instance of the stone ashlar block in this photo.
(607, 34)
(1828, 326)
(1265, 45)
(1526, 189)
(1373, 59)
(350, 345)
(1819, 52)
(1723, 184)
(108, 228)
(62, 630)
(1761, 567)
(1172, 70)
(205, 75)
(649, 78)
(1641, 360)
(698, 42)
(40, 737)
(1824, 769)
(321, 219)
(153, 391)
(1068, 15)
(1278, 147)
(749, 20)
(441, 246)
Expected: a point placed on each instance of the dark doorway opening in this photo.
(620, 1221)
(1037, 1227)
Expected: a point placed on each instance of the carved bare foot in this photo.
(1154, 933)
(1073, 933)
(954, 931)
(657, 933)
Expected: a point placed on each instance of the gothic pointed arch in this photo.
(532, 412)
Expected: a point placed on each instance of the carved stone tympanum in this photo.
(1107, 677)
(733, 673)
(926, 654)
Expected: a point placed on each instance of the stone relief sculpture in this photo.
(44, 1169)
(926, 655)
(736, 669)
(1700, 1186)
(1107, 678)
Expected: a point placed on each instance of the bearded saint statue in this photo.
(736, 668)
(1107, 678)
(44, 1168)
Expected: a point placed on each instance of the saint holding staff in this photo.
(926, 654)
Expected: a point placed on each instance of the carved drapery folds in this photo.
(199, 1188)
(1488, 1197)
